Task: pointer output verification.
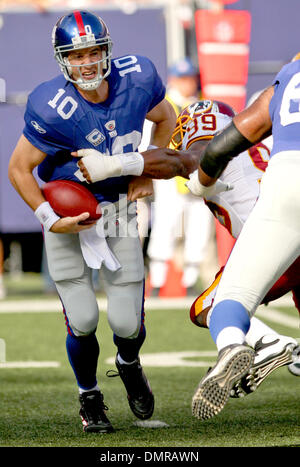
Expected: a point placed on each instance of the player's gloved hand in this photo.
(96, 166)
(197, 189)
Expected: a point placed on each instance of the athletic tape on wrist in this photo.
(132, 163)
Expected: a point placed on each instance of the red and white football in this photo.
(69, 198)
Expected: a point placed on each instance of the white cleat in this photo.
(214, 389)
(271, 351)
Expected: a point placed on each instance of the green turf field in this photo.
(39, 406)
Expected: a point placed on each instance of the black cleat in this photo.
(139, 394)
(92, 413)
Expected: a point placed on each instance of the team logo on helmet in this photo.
(203, 106)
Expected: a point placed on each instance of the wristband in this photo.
(46, 215)
(194, 185)
(197, 189)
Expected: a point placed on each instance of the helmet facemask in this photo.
(103, 65)
(180, 130)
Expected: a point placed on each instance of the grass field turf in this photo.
(39, 406)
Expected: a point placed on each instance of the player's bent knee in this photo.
(80, 308)
(125, 336)
(85, 328)
(125, 308)
(127, 326)
(123, 316)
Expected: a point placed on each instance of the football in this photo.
(69, 198)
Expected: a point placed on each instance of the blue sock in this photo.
(228, 313)
(83, 355)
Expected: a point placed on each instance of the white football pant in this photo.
(270, 239)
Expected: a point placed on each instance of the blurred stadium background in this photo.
(165, 31)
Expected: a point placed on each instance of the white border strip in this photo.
(54, 305)
(269, 313)
(30, 364)
(224, 90)
(221, 48)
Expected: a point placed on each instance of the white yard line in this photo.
(270, 313)
(29, 364)
(30, 306)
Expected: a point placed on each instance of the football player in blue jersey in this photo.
(254, 265)
(97, 103)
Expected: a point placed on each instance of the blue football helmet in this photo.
(80, 30)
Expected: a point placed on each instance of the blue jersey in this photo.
(285, 109)
(59, 120)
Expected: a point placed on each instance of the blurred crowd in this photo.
(129, 6)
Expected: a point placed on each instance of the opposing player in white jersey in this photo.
(253, 266)
(195, 126)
